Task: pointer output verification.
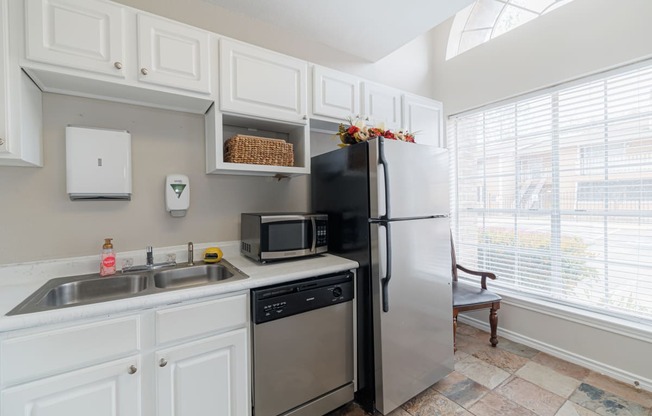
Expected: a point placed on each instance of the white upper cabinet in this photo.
(20, 104)
(261, 83)
(335, 95)
(381, 104)
(87, 35)
(4, 66)
(172, 54)
(424, 117)
(104, 50)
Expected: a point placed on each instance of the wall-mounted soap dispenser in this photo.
(177, 194)
(98, 163)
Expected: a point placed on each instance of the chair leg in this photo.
(454, 331)
(493, 323)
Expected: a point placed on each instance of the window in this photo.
(566, 180)
(486, 19)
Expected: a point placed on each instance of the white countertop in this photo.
(18, 281)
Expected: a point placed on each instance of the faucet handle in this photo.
(150, 255)
(191, 249)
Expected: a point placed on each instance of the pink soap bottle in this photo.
(107, 258)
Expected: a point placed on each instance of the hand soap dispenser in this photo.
(177, 194)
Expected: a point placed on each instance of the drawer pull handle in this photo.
(132, 369)
(144, 71)
(118, 65)
(162, 363)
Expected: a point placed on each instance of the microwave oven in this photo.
(276, 236)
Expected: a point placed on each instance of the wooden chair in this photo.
(468, 298)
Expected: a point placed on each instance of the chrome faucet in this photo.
(191, 254)
(149, 263)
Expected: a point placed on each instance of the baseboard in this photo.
(602, 368)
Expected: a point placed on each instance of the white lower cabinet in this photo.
(205, 377)
(191, 359)
(107, 389)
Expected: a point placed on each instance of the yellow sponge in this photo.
(212, 255)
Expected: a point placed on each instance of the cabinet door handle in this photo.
(162, 362)
(305, 117)
(132, 369)
(144, 71)
(2, 141)
(117, 64)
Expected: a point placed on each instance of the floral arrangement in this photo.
(358, 132)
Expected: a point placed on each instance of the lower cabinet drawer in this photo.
(201, 318)
(46, 353)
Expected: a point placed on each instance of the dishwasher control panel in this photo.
(287, 299)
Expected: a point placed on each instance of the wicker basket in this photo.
(258, 151)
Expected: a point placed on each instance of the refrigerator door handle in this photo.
(383, 161)
(388, 270)
(313, 248)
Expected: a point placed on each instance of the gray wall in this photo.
(40, 222)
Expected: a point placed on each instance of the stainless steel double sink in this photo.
(87, 289)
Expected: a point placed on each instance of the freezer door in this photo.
(410, 181)
(413, 340)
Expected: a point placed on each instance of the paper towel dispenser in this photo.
(98, 164)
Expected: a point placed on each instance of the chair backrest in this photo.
(453, 260)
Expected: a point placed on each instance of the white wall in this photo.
(407, 68)
(582, 37)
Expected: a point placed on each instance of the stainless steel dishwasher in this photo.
(303, 346)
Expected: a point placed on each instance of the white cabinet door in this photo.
(381, 104)
(4, 73)
(424, 117)
(204, 378)
(78, 34)
(108, 389)
(20, 104)
(172, 54)
(262, 83)
(335, 94)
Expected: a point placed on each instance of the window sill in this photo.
(594, 319)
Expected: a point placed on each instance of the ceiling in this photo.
(370, 29)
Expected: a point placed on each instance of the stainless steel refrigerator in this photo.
(388, 209)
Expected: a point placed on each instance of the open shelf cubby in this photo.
(221, 127)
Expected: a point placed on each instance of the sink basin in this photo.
(94, 290)
(191, 276)
(72, 291)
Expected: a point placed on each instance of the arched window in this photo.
(485, 19)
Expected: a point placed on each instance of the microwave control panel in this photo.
(322, 233)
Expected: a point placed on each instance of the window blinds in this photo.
(553, 192)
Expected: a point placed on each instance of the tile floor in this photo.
(515, 380)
